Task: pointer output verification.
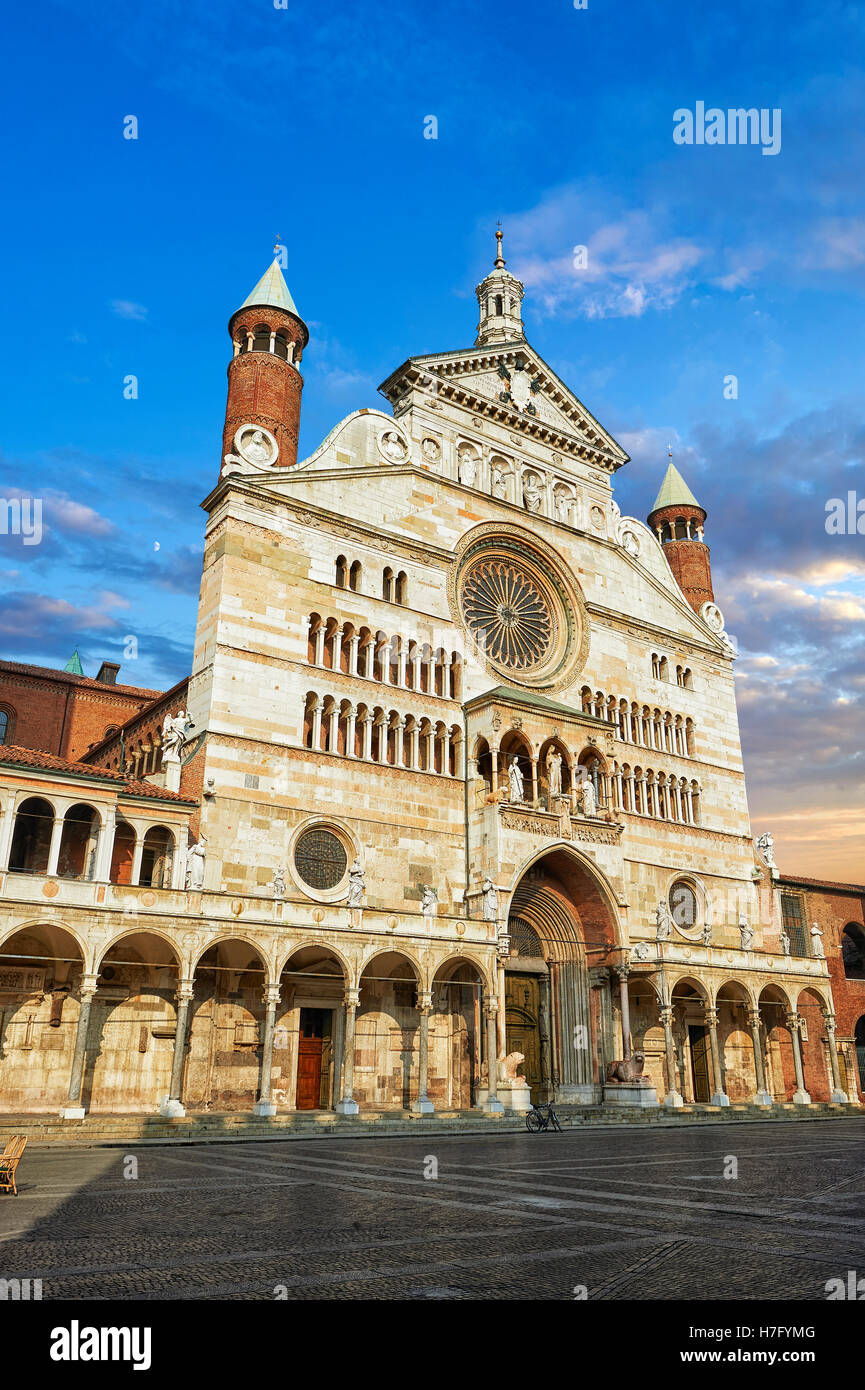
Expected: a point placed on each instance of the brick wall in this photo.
(59, 713)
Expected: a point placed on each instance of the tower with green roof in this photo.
(262, 414)
(678, 520)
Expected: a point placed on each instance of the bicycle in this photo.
(536, 1120)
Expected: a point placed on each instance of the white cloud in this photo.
(128, 309)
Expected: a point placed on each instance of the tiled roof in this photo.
(86, 682)
(674, 491)
(821, 883)
(11, 756)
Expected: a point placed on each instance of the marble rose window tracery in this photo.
(508, 614)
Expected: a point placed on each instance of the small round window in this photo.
(320, 858)
(683, 904)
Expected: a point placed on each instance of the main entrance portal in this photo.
(555, 985)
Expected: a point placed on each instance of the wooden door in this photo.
(699, 1039)
(522, 1026)
(309, 1055)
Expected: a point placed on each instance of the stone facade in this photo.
(463, 780)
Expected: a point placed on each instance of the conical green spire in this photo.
(272, 289)
(73, 665)
(675, 492)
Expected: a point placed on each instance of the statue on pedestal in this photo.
(279, 883)
(356, 885)
(663, 921)
(746, 932)
(817, 943)
(515, 780)
(490, 898)
(195, 857)
(554, 773)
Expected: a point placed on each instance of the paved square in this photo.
(627, 1213)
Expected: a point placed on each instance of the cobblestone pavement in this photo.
(628, 1214)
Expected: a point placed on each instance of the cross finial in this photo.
(669, 451)
(500, 260)
(276, 247)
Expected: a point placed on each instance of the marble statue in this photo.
(508, 1066)
(532, 495)
(175, 734)
(515, 780)
(563, 500)
(707, 934)
(498, 479)
(468, 468)
(785, 941)
(766, 845)
(626, 1070)
(554, 773)
(195, 857)
(279, 882)
(429, 902)
(663, 921)
(490, 900)
(746, 931)
(258, 449)
(817, 943)
(589, 798)
(356, 885)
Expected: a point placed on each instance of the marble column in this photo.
(73, 1109)
(838, 1096)
(544, 1030)
(351, 716)
(316, 723)
(534, 763)
(105, 847)
(337, 649)
(494, 769)
(6, 829)
(673, 1098)
(54, 847)
(501, 1018)
(319, 644)
(800, 1095)
(492, 1105)
(137, 855)
(623, 971)
(401, 668)
(171, 1105)
(446, 753)
(265, 1104)
(761, 1097)
(333, 731)
(398, 758)
(415, 667)
(366, 722)
(352, 654)
(347, 1105)
(719, 1095)
(423, 1105)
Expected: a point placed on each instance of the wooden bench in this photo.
(9, 1160)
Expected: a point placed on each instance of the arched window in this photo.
(280, 346)
(4, 725)
(387, 583)
(401, 591)
(499, 304)
(261, 338)
(31, 838)
(683, 903)
(853, 951)
(342, 573)
(354, 576)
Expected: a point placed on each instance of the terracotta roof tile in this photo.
(49, 762)
(85, 682)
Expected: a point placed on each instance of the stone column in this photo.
(761, 1097)
(415, 666)
(430, 674)
(398, 759)
(347, 1105)
(544, 1030)
(337, 649)
(800, 1095)
(6, 829)
(401, 668)
(369, 662)
(673, 1098)
(623, 971)
(316, 723)
(171, 1105)
(105, 847)
(501, 1020)
(319, 644)
(333, 731)
(350, 717)
(73, 1109)
(54, 847)
(264, 1105)
(492, 1105)
(494, 768)
(366, 721)
(838, 1096)
(719, 1095)
(137, 855)
(414, 747)
(385, 662)
(430, 751)
(423, 1105)
(382, 740)
(446, 752)
(353, 644)
(534, 762)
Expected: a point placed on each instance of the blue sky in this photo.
(127, 257)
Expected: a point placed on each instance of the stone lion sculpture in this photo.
(626, 1070)
(508, 1067)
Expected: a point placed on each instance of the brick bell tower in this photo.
(264, 381)
(677, 519)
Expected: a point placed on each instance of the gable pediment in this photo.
(511, 383)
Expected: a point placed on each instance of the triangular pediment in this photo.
(512, 383)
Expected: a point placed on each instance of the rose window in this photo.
(508, 614)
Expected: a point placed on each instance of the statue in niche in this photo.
(563, 500)
(195, 857)
(490, 900)
(785, 941)
(257, 449)
(498, 479)
(279, 883)
(356, 885)
(663, 921)
(515, 780)
(532, 495)
(707, 934)
(554, 773)
(817, 943)
(429, 901)
(589, 798)
(746, 932)
(468, 465)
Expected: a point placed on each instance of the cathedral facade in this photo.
(451, 812)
